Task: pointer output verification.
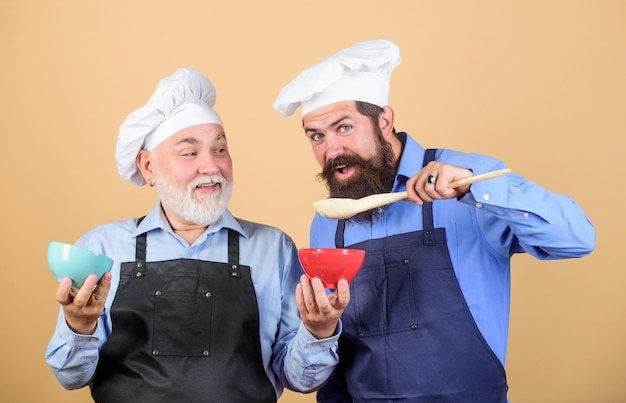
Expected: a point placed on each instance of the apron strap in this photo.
(233, 249)
(140, 244)
(427, 207)
(233, 253)
(341, 226)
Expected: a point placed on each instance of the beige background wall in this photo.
(538, 83)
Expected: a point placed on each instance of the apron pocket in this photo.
(182, 323)
(384, 300)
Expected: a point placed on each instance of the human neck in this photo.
(187, 230)
(190, 234)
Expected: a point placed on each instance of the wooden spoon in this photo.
(339, 208)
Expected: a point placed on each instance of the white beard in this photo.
(203, 211)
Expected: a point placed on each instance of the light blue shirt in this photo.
(499, 217)
(292, 357)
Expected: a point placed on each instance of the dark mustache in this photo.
(331, 165)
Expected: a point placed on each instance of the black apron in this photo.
(408, 334)
(184, 330)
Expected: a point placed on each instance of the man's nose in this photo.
(334, 147)
(207, 165)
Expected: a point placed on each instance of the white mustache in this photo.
(206, 181)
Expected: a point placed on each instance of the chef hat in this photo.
(181, 100)
(358, 73)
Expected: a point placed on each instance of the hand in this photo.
(83, 307)
(420, 190)
(320, 312)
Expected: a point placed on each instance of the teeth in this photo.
(207, 181)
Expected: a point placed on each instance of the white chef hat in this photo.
(358, 73)
(181, 100)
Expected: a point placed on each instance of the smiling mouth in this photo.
(207, 185)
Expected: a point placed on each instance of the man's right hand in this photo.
(83, 307)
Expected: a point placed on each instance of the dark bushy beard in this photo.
(375, 175)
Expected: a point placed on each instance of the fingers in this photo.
(320, 312)
(320, 302)
(343, 294)
(103, 287)
(83, 297)
(304, 296)
(91, 291)
(312, 298)
(312, 295)
(64, 293)
(431, 183)
(300, 299)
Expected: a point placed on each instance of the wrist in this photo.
(85, 330)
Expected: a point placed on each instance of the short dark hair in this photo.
(371, 111)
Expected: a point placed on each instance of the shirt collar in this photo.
(412, 164)
(156, 219)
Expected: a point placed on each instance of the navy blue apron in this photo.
(184, 330)
(408, 334)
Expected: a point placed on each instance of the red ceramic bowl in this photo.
(330, 264)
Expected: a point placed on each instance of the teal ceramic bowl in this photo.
(331, 264)
(77, 263)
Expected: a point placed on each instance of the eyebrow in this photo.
(189, 140)
(333, 124)
(193, 140)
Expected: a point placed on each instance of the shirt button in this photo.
(525, 215)
(486, 197)
(479, 205)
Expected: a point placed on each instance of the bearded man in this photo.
(199, 305)
(430, 311)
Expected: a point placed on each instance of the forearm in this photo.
(544, 224)
(308, 362)
(73, 357)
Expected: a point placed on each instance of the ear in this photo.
(145, 164)
(385, 121)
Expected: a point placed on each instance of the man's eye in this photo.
(344, 128)
(317, 136)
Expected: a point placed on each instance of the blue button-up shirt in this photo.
(497, 218)
(292, 357)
